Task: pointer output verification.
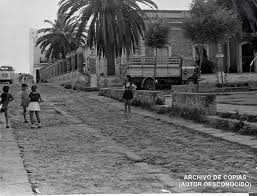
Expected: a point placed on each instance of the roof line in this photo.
(167, 11)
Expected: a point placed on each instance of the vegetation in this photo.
(156, 36)
(209, 23)
(60, 38)
(114, 27)
(246, 9)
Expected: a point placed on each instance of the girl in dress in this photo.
(34, 107)
(128, 94)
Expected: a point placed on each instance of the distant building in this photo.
(37, 59)
(238, 53)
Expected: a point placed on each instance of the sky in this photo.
(18, 16)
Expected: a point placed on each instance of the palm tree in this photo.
(247, 10)
(114, 26)
(60, 38)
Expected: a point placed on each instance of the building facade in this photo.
(236, 58)
(238, 53)
(37, 59)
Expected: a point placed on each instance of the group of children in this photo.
(30, 99)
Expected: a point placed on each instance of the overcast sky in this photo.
(18, 16)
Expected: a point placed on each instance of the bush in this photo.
(225, 115)
(195, 114)
(68, 86)
(160, 101)
(223, 124)
(238, 126)
(141, 104)
(162, 110)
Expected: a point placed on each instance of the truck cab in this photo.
(6, 74)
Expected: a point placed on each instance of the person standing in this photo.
(35, 99)
(128, 93)
(6, 98)
(25, 91)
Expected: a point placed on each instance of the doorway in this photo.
(247, 57)
(37, 76)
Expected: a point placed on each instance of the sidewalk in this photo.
(13, 177)
(241, 109)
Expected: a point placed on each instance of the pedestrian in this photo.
(25, 91)
(6, 98)
(35, 99)
(128, 93)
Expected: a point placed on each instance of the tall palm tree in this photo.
(247, 10)
(114, 26)
(60, 38)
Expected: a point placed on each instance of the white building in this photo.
(37, 60)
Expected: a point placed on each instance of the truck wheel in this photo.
(190, 81)
(148, 84)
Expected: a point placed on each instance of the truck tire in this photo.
(148, 84)
(190, 81)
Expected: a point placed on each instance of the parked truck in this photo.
(169, 71)
(6, 74)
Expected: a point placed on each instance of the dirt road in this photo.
(84, 146)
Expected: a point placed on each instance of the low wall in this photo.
(109, 81)
(141, 97)
(74, 78)
(202, 101)
(230, 78)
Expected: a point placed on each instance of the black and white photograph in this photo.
(128, 97)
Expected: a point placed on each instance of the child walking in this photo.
(34, 107)
(25, 91)
(6, 98)
(128, 94)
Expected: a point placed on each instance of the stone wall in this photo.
(73, 78)
(203, 88)
(203, 101)
(230, 78)
(142, 97)
(109, 81)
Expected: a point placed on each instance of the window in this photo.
(149, 51)
(164, 51)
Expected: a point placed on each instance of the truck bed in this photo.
(144, 67)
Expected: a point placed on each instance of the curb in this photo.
(13, 177)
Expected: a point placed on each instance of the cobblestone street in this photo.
(88, 145)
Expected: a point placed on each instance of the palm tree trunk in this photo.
(154, 71)
(199, 69)
(220, 64)
(110, 62)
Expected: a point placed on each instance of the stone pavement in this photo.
(13, 177)
(72, 176)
